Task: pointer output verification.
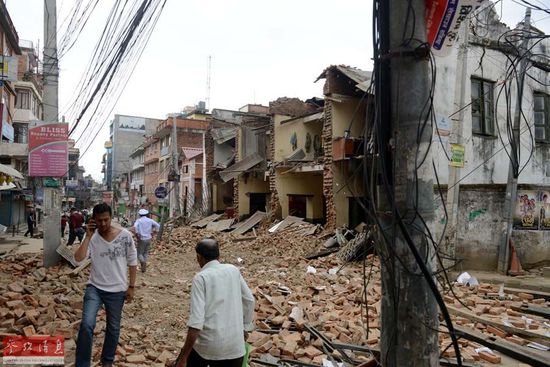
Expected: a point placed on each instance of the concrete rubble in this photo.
(339, 301)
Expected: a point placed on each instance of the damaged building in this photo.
(347, 120)
(297, 167)
(251, 154)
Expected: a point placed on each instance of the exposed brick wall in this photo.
(290, 107)
(189, 139)
(328, 185)
(275, 210)
(209, 150)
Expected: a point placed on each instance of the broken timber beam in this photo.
(537, 294)
(519, 353)
(375, 351)
(509, 329)
(538, 311)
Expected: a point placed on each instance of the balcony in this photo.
(14, 149)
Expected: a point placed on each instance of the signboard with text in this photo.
(48, 152)
(443, 21)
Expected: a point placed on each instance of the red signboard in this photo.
(443, 21)
(48, 153)
(35, 349)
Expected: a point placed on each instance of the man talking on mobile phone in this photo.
(111, 251)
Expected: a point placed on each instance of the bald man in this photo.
(222, 309)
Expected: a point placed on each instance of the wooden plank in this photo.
(518, 352)
(533, 310)
(204, 221)
(509, 329)
(247, 225)
(537, 294)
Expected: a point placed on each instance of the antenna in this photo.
(208, 71)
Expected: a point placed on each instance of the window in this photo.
(542, 117)
(23, 99)
(483, 109)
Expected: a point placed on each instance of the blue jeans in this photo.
(93, 299)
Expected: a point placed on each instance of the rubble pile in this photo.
(36, 301)
(304, 308)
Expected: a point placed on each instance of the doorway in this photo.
(297, 206)
(257, 202)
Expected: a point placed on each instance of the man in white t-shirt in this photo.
(144, 228)
(111, 251)
(222, 308)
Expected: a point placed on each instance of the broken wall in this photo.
(309, 184)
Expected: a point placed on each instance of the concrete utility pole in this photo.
(453, 192)
(409, 312)
(52, 196)
(176, 182)
(512, 185)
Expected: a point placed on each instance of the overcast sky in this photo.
(261, 50)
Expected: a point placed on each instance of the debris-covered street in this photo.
(307, 311)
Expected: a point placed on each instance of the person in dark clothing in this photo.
(30, 223)
(63, 225)
(76, 220)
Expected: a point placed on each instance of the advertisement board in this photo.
(48, 152)
(526, 214)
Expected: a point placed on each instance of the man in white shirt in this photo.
(144, 228)
(222, 309)
(111, 251)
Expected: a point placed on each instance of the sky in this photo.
(260, 50)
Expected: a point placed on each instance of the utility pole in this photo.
(456, 137)
(176, 182)
(512, 185)
(409, 314)
(52, 196)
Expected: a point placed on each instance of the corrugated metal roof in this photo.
(357, 75)
(240, 167)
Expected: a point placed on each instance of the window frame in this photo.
(546, 117)
(486, 97)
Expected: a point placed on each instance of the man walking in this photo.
(222, 308)
(144, 228)
(30, 223)
(76, 220)
(111, 251)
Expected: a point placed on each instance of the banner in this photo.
(443, 21)
(48, 151)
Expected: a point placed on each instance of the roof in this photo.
(241, 166)
(190, 153)
(360, 77)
